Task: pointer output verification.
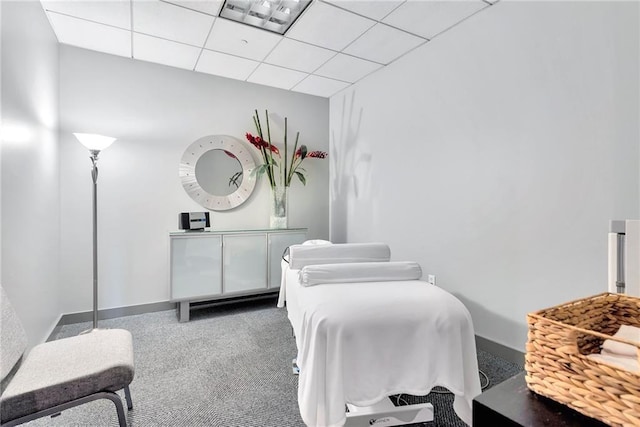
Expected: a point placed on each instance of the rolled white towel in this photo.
(358, 272)
(627, 363)
(608, 353)
(626, 332)
(314, 254)
(316, 242)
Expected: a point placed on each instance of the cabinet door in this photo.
(245, 263)
(196, 267)
(278, 242)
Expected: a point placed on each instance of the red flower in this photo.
(317, 154)
(260, 143)
(256, 141)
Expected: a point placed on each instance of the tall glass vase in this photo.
(278, 217)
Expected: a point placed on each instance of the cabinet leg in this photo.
(183, 311)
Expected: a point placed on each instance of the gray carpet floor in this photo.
(230, 366)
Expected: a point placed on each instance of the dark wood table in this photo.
(511, 403)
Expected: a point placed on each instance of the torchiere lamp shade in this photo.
(93, 141)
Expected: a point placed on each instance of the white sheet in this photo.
(282, 294)
(362, 342)
(355, 272)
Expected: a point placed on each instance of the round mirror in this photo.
(216, 172)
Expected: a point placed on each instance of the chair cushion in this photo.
(13, 339)
(60, 371)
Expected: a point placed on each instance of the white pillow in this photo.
(303, 255)
(359, 272)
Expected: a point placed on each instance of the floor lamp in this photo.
(95, 144)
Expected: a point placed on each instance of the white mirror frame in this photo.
(188, 172)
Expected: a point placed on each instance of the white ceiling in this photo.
(333, 44)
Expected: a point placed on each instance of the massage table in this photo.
(360, 342)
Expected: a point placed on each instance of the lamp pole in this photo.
(94, 176)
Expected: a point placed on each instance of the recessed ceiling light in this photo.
(272, 15)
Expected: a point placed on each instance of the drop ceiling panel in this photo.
(241, 40)
(328, 26)
(298, 56)
(221, 64)
(347, 68)
(164, 52)
(110, 12)
(89, 35)
(377, 9)
(171, 22)
(333, 44)
(428, 18)
(271, 75)
(211, 7)
(320, 86)
(383, 44)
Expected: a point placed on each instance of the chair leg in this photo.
(127, 395)
(57, 409)
(122, 420)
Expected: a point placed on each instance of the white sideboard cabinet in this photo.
(213, 265)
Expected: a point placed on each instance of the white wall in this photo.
(1, 122)
(30, 195)
(156, 112)
(496, 154)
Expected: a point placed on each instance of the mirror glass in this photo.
(219, 172)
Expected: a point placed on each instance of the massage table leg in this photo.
(384, 413)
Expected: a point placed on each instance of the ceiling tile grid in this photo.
(115, 12)
(241, 40)
(430, 18)
(347, 68)
(299, 56)
(319, 86)
(383, 44)
(210, 7)
(327, 26)
(224, 65)
(161, 51)
(89, 35)
(375, 10)
(172, 22)
(271, 75)
(332, 45)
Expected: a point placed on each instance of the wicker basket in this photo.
(561, 337)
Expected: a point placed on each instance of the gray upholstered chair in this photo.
(61, 374)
